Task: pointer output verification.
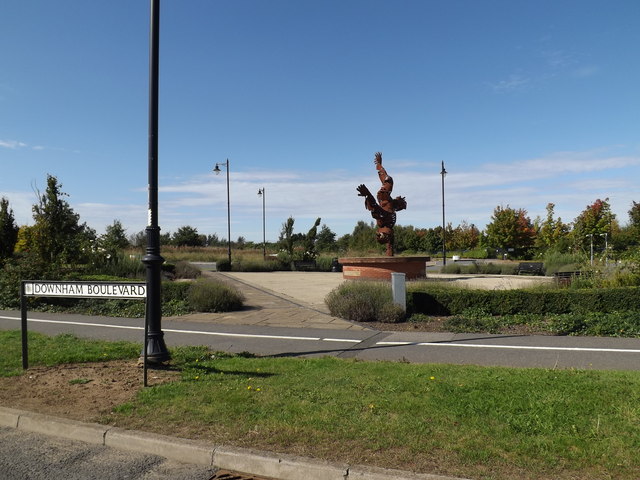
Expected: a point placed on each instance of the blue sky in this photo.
(526, 102)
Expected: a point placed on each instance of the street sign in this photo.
(124, 290)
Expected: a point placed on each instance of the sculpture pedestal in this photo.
(381, 268)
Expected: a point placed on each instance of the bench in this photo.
(564, 278)
(304, 265)
(532, 268)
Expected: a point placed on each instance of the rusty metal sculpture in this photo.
(384, 210)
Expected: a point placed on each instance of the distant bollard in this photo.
(399, 289)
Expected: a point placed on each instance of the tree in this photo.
(511, 229)
(25, 242)
(309, 252)
(326, 241)
(551, 231)
(634, 217)
(286, 236)
(114, 240)
(58, 235)
(187, 236)
(363, 238)
(463, 237)
(8, 230)
(432, 240)
(138, 239)
(592, 224)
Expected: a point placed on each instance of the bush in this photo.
(433, 299)
(185, 270)
(16, 269)
(206, 295)
(223, 265)
(562, 262)
(364, 302)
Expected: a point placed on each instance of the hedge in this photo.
(433, 300)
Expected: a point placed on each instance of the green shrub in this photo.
(562, 262)
(364, 302)
(508, 269)
(250, 265)
(480, 253)
(223, 265)
(453, 268)
(433, 299)
(186, 270)
(16, 269)
(206, 295)
(323, 263)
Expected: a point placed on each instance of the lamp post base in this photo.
(157, 351)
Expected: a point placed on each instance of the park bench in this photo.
(304, 265)
(532, 268)
(564, 278)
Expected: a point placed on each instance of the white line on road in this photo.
(513, 347)
(345, 340)
(192, 332)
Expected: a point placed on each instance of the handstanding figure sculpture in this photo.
(384, 210)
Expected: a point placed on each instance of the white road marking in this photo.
(344, 340)
(196, 332)
(512, 347)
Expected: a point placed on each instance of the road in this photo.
(30, 456)
(462, 349)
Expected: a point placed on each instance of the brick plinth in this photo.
(381, 268)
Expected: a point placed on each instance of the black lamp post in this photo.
(156, 350)
(262, 194)
(217, 171)
(444, 245)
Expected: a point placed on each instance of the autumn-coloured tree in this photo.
(463, 237)
(591, 225)
(511, 229)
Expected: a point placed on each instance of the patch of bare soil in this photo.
(84, 392)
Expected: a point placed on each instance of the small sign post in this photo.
(105, 290)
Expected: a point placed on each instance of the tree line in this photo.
(58, 236)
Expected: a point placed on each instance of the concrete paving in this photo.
(278, 299)
(297, 299)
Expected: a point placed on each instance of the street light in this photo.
(217, 172)
(262, 194)
(591, 235)
(444, 246)
(154, 350)
(606, 248)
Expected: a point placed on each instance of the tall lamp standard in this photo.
(217, 172)
(444, 245)
(155, 350)
(606, 248)
(262, 194)
(591, 256)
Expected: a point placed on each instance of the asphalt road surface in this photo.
(30, 456)
(462, 349)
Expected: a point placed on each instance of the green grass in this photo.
(460, 420)
(474, 422)
(65, 348)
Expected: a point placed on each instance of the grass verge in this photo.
(474, 422)
(64, 348)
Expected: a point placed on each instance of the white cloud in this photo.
(570, 180)
(13, 144)
(513, 83)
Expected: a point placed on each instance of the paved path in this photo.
(278, 299)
